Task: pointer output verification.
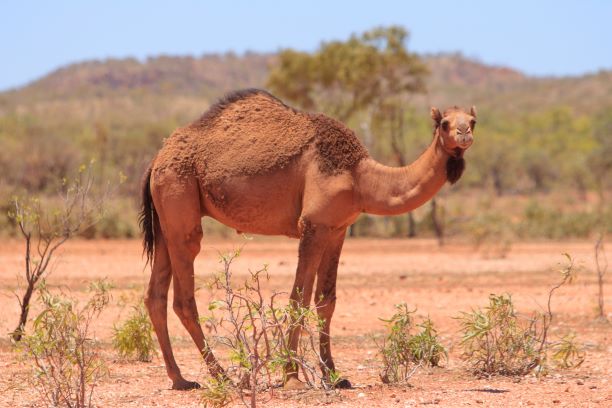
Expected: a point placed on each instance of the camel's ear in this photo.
(436, 115)
(473, 111)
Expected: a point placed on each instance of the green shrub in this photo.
(64, 359)
(119, 221)
(496, 341)
(217, 393)
(134, 338)
(567, 353)
(403, 352)
(252, 329)
(543, 222)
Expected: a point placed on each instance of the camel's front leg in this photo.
(325, 302)
(313, 241)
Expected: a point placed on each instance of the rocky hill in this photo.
(183, 86)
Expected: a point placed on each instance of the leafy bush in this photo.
(567, 353)
(119, 221)
(403, 352)
(64, 359)
(253, 331)
(44, 227)
(544, 222)
(217, 392)
(134, 338)
(497, 340)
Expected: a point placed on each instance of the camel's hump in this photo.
(252, 132)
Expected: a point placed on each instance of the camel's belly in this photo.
(256, 205)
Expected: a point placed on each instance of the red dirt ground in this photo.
(374, 275)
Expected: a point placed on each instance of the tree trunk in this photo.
(437, 222)
(25, 308)
(411, 226)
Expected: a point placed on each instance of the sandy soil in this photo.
(374, 275)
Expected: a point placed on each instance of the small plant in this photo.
(44, 230)
(217, 393)
(402, 352)
(497, 341)
(253, 330)
(65, 360)
(134, 338)
(425, 345)
(567, 353)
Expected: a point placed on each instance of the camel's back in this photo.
(252, 132)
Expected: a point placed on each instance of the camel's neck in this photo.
(387, 190)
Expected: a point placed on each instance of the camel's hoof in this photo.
(293, 383)
(184, 385)
(343, 384)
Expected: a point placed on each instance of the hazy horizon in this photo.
(546, 38)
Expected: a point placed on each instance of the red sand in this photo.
(373, 276)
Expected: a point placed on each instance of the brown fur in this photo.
(259, 166)
(454, 168)
(337, 146)
(252, 132)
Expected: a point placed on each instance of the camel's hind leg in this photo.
(179, 213)
(157, 304)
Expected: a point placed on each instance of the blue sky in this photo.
(537, 37)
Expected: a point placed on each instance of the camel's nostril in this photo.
(466, 139)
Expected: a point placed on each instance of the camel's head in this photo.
(456, 128)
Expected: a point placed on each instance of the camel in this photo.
(262, 167)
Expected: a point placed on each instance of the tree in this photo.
(371, 72)
(344, 78)
(44, 229)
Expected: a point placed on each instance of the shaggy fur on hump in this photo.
(251, 132)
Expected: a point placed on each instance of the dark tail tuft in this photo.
(147, 217)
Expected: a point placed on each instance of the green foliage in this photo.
(567, 352)
(60, 351)
(345, 77)
(496, 341)
(253, 329)
(403, 352)
(546, 222)
(217, 393)
(134, 337)
(45, 226)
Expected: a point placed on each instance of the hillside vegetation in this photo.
(542, 151)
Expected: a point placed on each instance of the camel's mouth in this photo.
(459, 152)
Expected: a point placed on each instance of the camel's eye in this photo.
(472, 124)
(445, 125)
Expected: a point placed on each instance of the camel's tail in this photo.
(147, 217)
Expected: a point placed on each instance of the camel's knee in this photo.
(154, 301)
(177, 306)
(185, 309)
(193, 240)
